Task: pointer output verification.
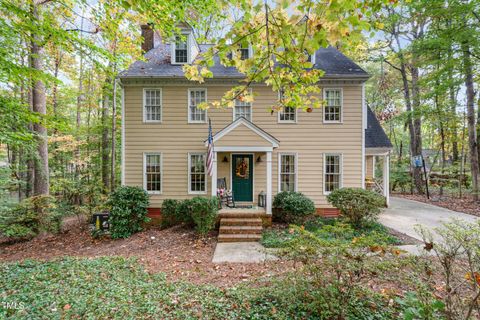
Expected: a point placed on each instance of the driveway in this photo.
(403, 215)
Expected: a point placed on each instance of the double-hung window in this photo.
(195, 97)
(242, 109)
(181, 49)
(286, 113)
(332, 172)
(333, 105)
(288, 172)
(152, 105)
(197, 178)
(152, 172)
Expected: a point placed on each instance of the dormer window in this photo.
(245, 52)
(310, 57)
(181, 49)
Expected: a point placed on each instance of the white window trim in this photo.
(145, 100)
(324, 170)
(286, 121)
(189, 173)
(188, 105)
(145, 172)
(174, 45)
(312, 57)
(295, 154)
(251, 110)
(341, 105)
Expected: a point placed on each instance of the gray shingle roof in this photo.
(375, 137)
(332, 61)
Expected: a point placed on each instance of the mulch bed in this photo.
(175, 251)
(465, 204)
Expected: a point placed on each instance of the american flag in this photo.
(210, 149)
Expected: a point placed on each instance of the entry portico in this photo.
(242, 137)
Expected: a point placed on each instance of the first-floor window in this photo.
(332, 172)
(196, 96)
(197, 173)
(288, 172)
(153, 172)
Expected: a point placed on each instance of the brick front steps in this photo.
(240, 225)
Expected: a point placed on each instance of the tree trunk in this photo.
(472, 138)
(41, 178)
(104, 144)
(417, 126)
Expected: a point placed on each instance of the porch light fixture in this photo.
(262, 199)
(259, 159)
(225, 159)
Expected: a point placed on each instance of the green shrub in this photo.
(204, 214)
(128, 211)
(30, 217)
(185, 212)
(170, 213)
(292, 207)
(357, 205)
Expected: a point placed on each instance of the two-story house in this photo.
(164, 133)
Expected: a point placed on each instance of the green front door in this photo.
(242, 177)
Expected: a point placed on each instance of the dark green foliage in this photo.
(30, 217)
(357, 205)
(204, 214)
(292, 207)
(198, 212)
(128, 211)
(416, 307)
(118, 288)
(170, 213)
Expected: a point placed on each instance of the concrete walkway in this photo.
(403, 215)
(241, 252)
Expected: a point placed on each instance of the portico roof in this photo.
(243, 133)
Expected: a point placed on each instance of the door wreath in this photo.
(242, 170)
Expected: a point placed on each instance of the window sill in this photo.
(197, 192)
(332, 122)
(154, 192)
(152, 122)
(196, 122)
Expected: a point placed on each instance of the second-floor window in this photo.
(152, 105)
(195, 97)
(181, 49)
(333, 105)
(242, 109)
(286, 114)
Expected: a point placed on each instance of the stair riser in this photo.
(239, 231)
(241, 215)
(237, 240)
(242, 223)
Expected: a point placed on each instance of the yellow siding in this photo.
(175, 137)
(242, 136)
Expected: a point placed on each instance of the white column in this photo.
(214, 174)
(386, 178)
(268, 206)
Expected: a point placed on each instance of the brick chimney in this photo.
(147, 35)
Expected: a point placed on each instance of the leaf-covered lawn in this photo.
(101, 288)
